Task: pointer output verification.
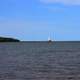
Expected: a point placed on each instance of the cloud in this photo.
(66, 2)
(54, 9)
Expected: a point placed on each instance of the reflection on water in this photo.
(40, 61)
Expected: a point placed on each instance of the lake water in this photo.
(40, 61)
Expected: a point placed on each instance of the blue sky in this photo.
(38, 19)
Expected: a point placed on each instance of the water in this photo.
(40, 61)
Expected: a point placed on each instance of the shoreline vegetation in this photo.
(6, 39)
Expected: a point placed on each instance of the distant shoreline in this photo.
(52, 41)
(6, 39)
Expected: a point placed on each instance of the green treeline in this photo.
(3, 39)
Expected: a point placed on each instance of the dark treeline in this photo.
(3, 39)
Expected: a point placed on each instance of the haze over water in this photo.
(40, 61)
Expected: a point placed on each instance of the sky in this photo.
(32, 20)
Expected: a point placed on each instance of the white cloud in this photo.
(54, 9)
(66, 2)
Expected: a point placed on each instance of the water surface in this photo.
(40, 61)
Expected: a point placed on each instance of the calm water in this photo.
(40, 61)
